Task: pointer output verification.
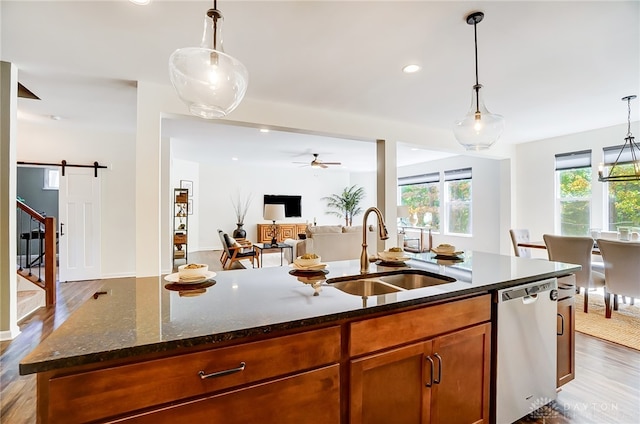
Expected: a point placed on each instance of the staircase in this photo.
(30, 298)
(37, 256)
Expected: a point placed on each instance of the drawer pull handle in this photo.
(431, 366)
(439, 379)
(561, 333)
(204, 375)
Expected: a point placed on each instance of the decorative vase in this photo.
(239, 232)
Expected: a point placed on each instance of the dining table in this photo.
(541, 245)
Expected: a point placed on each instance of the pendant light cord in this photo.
(477, 86)
(215, 26)
(629, 116)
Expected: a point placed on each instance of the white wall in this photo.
(53, 143)
(488, 191)
(220, 184)
(535, 177)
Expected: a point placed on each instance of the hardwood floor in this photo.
(606, 388)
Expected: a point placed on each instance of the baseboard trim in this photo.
(9, 334)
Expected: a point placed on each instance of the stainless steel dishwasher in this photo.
(526, 349)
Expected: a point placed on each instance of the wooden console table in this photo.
(285, 231)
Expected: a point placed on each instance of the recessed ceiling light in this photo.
(264, 130)
(234, 158)
(414, 149)
(55, 117)
(410, 69)
(140, 2)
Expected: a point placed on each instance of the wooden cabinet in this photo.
(443, 379)
(180, 224)
(566, 367)
(427, 364)
(240, 371)
(285, 231)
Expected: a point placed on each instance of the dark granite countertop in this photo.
(144, 317)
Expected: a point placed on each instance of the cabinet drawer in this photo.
(404, 327)
(97, 394)
(310, 397)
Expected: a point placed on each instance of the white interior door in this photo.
(79, 225)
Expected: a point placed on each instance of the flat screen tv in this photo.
(292, 204)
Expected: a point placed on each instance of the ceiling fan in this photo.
(317, 163)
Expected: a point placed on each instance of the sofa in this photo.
(334, 242)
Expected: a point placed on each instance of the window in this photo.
(623, 197)
(573, 193)
(458, 201)
(51, 179)
(421, 193)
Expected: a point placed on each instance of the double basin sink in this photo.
(381, 283)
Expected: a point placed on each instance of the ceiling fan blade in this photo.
(332, 163)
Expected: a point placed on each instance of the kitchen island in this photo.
(258, 337)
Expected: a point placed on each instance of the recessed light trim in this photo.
(411, 69)
(264, 130)
(234, 158)
(140, 2)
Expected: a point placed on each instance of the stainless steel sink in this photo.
(415, 280)
(387, 282)
(364, 287)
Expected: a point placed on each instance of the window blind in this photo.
(457, 174)
(573, 160)
(433, 177)
(611, 154)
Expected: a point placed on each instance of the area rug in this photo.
(622, 328)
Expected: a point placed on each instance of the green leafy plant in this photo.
(346, 204)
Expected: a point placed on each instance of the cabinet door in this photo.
(389, 387)
(312, 396)
(566, 367)
(463, 363)
(287, 231)
(264, 233)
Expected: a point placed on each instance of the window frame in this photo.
(456, 176)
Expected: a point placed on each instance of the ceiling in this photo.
(550, 67)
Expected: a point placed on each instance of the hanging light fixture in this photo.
(208, 80)
(479, 129)
(629, 154)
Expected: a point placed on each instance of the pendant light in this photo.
(208, 80)
(479, 129)
(631, 154)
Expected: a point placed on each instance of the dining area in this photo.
(610, 262)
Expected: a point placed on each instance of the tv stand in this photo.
(289, 230)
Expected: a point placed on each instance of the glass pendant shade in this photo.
(479, 128)
(209, 81)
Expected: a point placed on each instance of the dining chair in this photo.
(520, 236)
(621, 271)
(575, 250)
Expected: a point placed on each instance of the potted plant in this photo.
(346, 204)
(240, 206)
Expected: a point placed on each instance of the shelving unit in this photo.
(180, 224)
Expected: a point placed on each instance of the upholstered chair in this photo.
(520, 236)
(621, 270)
(575, 250)
(234, 251)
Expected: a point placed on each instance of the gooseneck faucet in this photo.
(382, 232)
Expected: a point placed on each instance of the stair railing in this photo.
(37, 249)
